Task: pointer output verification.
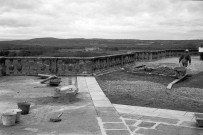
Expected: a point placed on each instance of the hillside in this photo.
(102, 43)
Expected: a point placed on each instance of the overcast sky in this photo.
(126, 19)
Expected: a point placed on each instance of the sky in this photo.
(110, 19)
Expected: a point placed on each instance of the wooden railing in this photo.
(77, 65)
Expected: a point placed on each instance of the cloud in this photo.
(144, 19)
(20, 4)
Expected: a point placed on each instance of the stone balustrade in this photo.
(63, 66)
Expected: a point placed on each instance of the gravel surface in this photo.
(150, 91)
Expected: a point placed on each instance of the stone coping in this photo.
(148, 51)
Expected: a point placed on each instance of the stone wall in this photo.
(63, 66)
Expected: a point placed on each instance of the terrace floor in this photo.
(90, 114)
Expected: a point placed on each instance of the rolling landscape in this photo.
(80, 47)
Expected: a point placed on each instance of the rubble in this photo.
(57, 119)
(152, 69)
(180, 71)
(43, 76)
(68, 92)
(49, 78)
(161, 69)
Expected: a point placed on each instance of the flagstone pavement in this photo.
(117, 119)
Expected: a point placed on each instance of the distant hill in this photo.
(103, 43)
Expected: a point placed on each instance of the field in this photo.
(78, 47)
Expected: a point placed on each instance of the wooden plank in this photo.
(175, 81)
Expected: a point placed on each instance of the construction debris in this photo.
(55, 81)
(57, 119)
(176, 81)
(199, 119)
(161, 69)
(49, 78)
(44, 76)
(156, 69)
(63, 91)
(180, 71)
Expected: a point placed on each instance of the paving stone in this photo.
(114, 126)
(127, 111)
(131, 116)
(105, 109)
(130, 122)
(146, 124)
(159, 119)
(150, 132)
(108, 113)
(188, 124)
(96, 94)
(110, 119)
(99, 103)
(132, 128)
(177, 130)
(179, 117)
(117, 132)
(83, 86)
(100, 98)
(170, 112)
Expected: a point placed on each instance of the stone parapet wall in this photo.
(64, 66)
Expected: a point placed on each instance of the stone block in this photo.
(132, 128)
(131, 116)
(159, 119)
(146, 124)
(117, 132)
(114, 126)
(130, 122)
(110, 119)
(188, 124)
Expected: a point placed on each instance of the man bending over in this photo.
(185, 58)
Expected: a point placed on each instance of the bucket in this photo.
(55, 82)
(8, 118)
(24, 106)
(18, 113)
(57, 92)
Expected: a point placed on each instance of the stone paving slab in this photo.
(146, 124)
(107, 113)
(117, 132)
(105, 109)
(114, 126)
(130, 116)
(98, 96)
(93, 85)
(98, 103)
(175, 130)
(130, 122)
(82, 84)
(132, 128)
(111, 119)
(188, 124)
(180, 117)
(155, 112)
(159, 119)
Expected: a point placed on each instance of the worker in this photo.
(185, 58)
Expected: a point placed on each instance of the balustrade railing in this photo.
(77, 65)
